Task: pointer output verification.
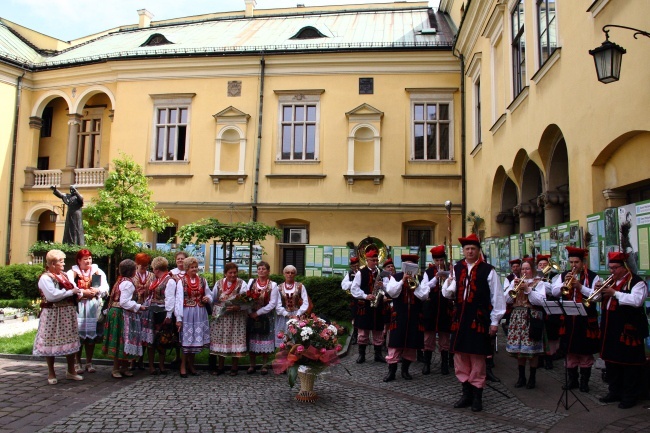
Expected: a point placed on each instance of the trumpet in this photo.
(609, 282)
(522, 283)
(552, 266)
(413, 271)
(566, 286)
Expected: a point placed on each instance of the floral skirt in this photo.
(519, 343)
(132, 333)
(228, 334)
(147, 323)
(87, 314)
(263, 343)
(57, 333)
(195, 333)
(113, 346)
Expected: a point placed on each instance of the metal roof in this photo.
(14, 49)
(347, 30)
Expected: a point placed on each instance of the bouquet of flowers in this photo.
(310, 342)
(243, 300)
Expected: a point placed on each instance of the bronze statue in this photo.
(74, 230)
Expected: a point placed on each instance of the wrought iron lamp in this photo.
(54, 215)
(608, 56)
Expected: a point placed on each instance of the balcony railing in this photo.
(89, 176)
(83, 177)
(47, 178)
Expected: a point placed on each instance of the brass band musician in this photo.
(579, 335)
(624, 328)
(346, 285)
(406, 330)
(526, 294)
(436, 312)
(368, 318)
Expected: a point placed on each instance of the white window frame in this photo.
(171, 101)
(91, 115)
(519, 79)
(538, 37)
(297, 98)
(439, 96)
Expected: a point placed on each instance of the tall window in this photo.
(299, 132)
(547, 26)
(89, 139)
(431, 131)
(171, 133)
(477, 110)
(171, 126)
(518, 48)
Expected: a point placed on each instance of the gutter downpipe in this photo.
(463, 121)
(463, 140)
(12, 175)
(256, 181)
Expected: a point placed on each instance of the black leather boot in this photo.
(466, 398)
(477, 403)
(548, 362)
(426, 368)
(362, 354)
(585, 374)
(573, 379)
(490, 376)
(444, 363)
(392, 369)
(522, 377)
(451, 361)
(531, 378)
(405, 369)
(379, 356)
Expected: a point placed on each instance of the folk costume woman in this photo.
(293, 301)
(143, 279)
(162, 299)
(527, 305)
(57, 333)
(192, 294)
(123, 329)
(259, 341)
(228, 327)
(89, 306)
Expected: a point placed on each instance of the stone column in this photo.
(553, 204)
(526, 212)
(615, 198)
(74, 123)
(506, 222)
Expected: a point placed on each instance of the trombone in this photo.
(609, 282)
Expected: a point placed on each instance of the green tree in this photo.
(124, 208)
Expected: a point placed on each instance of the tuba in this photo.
(367, 242)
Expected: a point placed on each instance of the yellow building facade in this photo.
(334, 123)
(546, 141)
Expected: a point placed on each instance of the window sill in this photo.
(296, 176)
(298, 161)
(432, 176)
(500, 121)
(169, 176)
(546, 66)
(432, 161)
(476, 149)
(521, 97)
(152, 162)
(376, 178)
(240, 178)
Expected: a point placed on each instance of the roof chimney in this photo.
(250, 7)
(145, 18)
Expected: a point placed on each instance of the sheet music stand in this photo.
(568, 308)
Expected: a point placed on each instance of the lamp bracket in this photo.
(637, 32)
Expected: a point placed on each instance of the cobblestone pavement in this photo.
(358, 402)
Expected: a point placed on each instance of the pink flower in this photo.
(300, 349)
(281, 334)
(283, 346)
(323, 350)
(338, 347)
(302, 323)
